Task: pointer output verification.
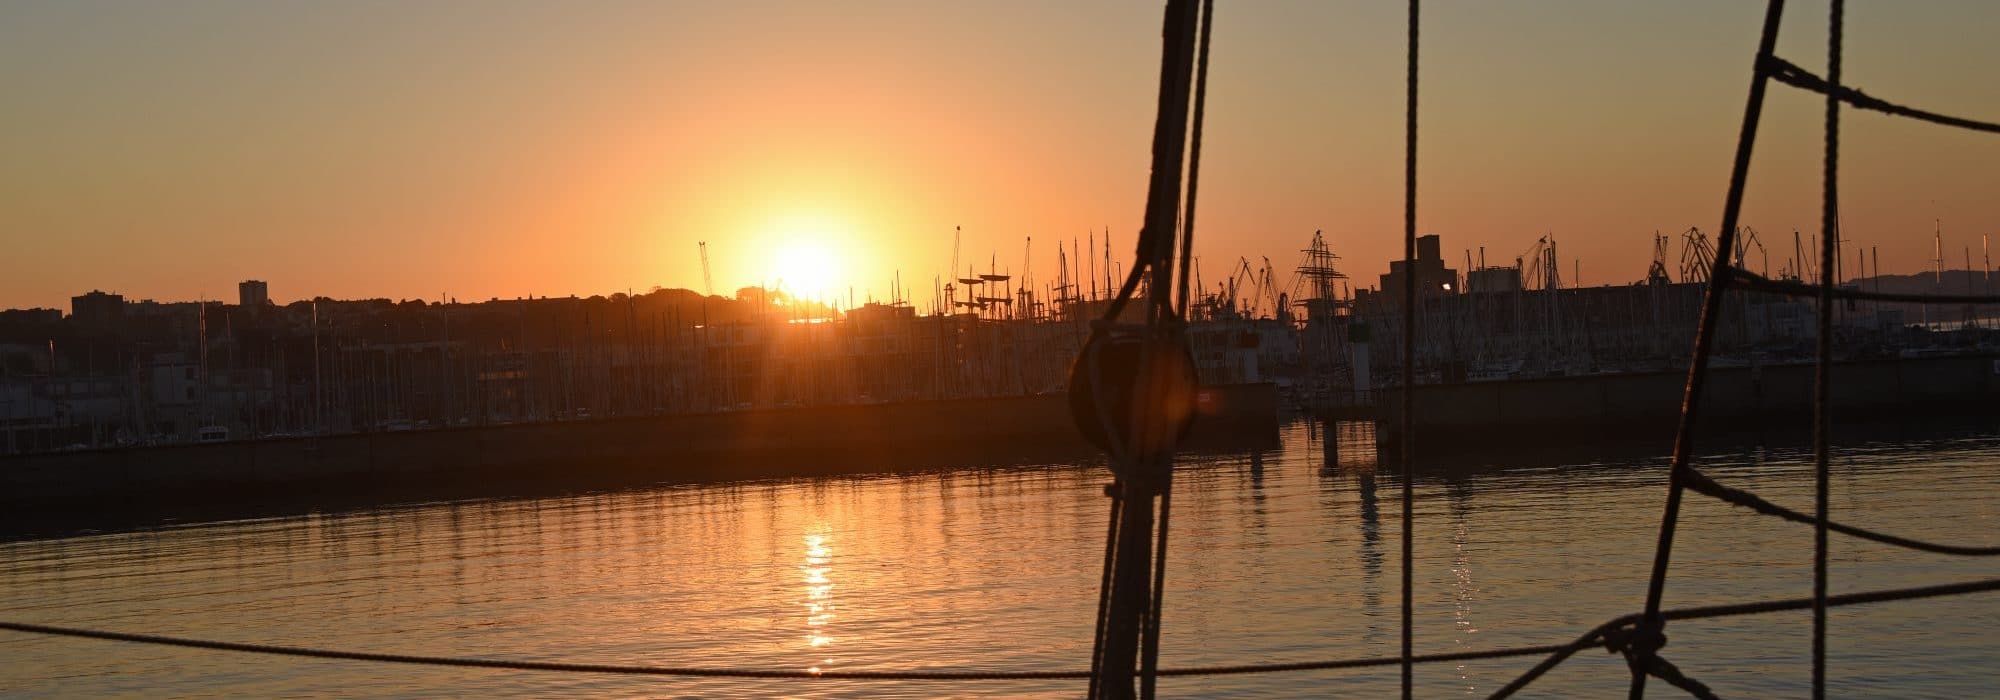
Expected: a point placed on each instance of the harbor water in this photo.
(1283, 555)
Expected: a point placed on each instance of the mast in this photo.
(1093, 264)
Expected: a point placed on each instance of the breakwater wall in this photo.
(226, 479)
(1647, 405)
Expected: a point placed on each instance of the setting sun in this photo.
(806, 268)
(804, 255)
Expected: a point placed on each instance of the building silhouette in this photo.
(253, 294)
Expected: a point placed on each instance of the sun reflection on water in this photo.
(818, 603)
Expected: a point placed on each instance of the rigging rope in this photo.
(1703, 484)
(1194, 152)
(1150, 660)
(1140, 382)
(1639, 621)
(1641, 653)
(1104, 587)
(1823, 365)
(1786, 72)
(1409, 348)
(1704, 341)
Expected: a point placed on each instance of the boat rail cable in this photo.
(1608, 634)
(1132, 393)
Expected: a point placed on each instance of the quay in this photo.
(249, 478)
(1646, 405)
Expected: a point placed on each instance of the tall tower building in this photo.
(97, 309)
(253, 294)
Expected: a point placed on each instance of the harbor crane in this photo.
(1271, 293)
(1697, 256)
(707, 282)
(1657, 273)
(1543, 274)
(1235, 287)
(1745, 238)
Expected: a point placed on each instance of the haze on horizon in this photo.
(377, 148)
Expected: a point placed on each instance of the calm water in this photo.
(1275, 557)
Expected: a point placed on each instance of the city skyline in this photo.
(515, 150)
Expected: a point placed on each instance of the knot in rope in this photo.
(1638, 639)
(1640, 644)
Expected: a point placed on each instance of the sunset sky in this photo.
(478, 149)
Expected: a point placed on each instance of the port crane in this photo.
(1697, 256)
(1657, 273)
(1544, 274)
(1746, 237)
(1269, 289)
(1233, 291)
(707, 282)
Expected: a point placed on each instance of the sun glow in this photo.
(806, 269)
(805, 259)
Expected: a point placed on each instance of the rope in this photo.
(1194, 152)
(1786, 72)
(1754, 282)
(1409, 347)
(1149, 661)
(1703, 484)
(1556, 651)
(1640, 646)
(1104, 586)
(1127, 635)
(1704, 338)
(615, 669)
(1605, 631)
(1822, 381)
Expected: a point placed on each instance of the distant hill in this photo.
(1950, 282)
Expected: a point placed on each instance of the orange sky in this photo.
(479, 149)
